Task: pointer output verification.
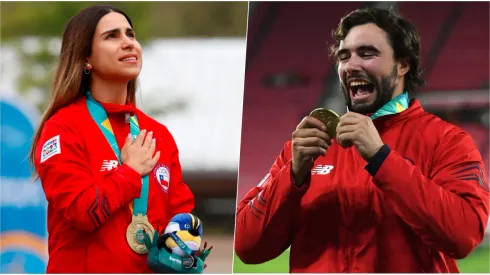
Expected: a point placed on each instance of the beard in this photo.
(384, 92)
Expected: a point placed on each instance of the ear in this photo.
(87, 65)
(403, 67)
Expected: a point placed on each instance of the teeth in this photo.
(358, 83)
(129, 58)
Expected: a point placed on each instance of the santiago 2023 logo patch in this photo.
(162, 176)
(51, 148)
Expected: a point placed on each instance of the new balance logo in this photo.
(321, 169)
(108, 165)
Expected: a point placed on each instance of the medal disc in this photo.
(329, 118)
(187, 261)
(135, 236)
(332, 127)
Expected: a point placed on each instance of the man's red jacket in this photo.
(419, 204)
(89, 193)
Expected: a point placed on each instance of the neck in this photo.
(398, 88)
(109, 92)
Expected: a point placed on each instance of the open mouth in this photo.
(130, 59)
(360, 90)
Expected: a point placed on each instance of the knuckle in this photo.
(294, 142)
(318, 141)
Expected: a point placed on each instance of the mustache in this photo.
(358, 77)
(365, 77)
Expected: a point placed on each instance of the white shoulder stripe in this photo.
(264, 180)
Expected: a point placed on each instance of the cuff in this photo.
(131, 176)
(377, 160)
(131, 172)
(306, 181)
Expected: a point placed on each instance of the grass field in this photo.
(476, 262)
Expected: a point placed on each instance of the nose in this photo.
(353, 65)
(128, 43)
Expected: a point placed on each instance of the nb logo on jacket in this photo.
(108, 165)
(321, 169)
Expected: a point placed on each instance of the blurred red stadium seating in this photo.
(297, 40)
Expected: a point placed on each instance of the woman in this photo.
(105, 180)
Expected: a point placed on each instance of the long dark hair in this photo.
(70, 82)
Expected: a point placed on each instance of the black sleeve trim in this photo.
(377, 160)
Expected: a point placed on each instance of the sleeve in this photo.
(449, 208)
(181, 199)
(266, 214)
(69, 186)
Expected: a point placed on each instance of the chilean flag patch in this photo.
(162, 176)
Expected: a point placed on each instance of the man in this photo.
(396, 190)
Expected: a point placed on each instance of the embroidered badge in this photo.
(162, 176)
(51, 148)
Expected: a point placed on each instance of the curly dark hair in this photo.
(403, 36)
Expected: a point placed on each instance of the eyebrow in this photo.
(116, 30)
(370, 48)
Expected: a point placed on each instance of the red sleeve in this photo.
(180, 196)
(69, 186)
(265, 215)
(449, 209)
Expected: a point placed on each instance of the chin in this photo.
(364, 108)
(128, 75)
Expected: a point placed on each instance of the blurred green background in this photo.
(150, 19)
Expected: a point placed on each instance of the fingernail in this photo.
(150, 133)
(129, 135)
(153, 140)
(144, 131)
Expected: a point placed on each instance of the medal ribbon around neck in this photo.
(99, 115)
(397, 105)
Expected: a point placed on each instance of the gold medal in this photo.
(135, 236)
(329, 118)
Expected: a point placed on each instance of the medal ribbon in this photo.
(99, 115)
(180, 243)
(396, 105)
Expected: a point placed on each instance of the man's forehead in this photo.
(112, 20)
(367, 34)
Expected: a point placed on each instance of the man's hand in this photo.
(309, 142)
(358, 130)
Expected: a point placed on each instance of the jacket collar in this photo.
(414, 109)
(112, 108)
